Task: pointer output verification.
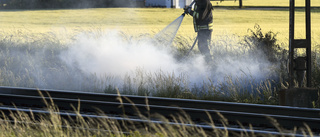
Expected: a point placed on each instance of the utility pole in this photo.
(308, 38)
(300, 65)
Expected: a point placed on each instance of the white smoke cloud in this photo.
(109, 54)
(233, 59)
(113, 57)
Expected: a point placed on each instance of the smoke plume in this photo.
(109, 54)
(92, 61)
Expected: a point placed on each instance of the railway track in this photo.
(128, 109)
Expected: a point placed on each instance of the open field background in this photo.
(85, 49)
(151, 20)
(43, 44)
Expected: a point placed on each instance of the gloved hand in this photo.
(187, 10)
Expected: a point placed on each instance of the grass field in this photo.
(152, 20)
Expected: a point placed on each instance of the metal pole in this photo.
(240, 3)
(308, 38)
(291, 43)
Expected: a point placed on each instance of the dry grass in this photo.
(34, 61)
(52, 125)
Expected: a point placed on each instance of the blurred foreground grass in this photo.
(18, 124)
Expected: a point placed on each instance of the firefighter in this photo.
(203, 25)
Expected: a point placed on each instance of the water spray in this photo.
(166, 35)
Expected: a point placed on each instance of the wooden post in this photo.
(240, 3)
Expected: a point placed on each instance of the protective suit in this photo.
(203, 25)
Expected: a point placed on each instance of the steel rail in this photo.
(211, 105)
(8, 110)
(132, 109)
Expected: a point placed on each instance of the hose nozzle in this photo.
(187, 8)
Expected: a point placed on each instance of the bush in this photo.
(265, 42)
